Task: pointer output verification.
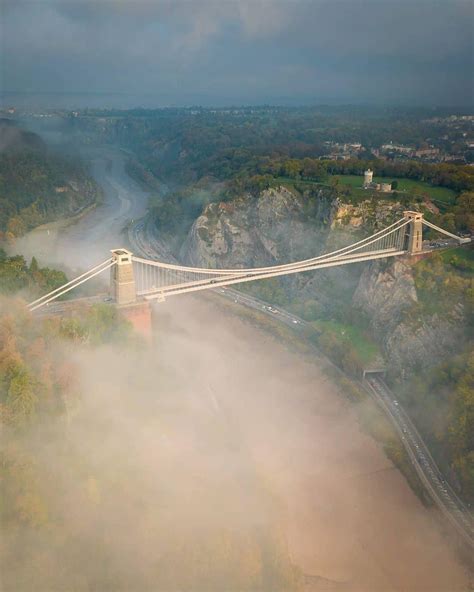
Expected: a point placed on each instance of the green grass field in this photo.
(438, 194)
(462, 258)
(366, 348)
(404, 185)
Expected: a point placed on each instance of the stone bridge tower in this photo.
(122, 281)
(415, 232)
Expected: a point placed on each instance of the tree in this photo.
(464, 212)
(34, 268)
(21, 398)
(313, 169)
(292, 168)
(351, 361)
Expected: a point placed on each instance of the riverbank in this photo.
(82, 242)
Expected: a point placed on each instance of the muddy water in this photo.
(88, 242)
(350, 516)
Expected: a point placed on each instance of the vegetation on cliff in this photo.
(445, 280)
(16, 275)
(440, 396)
(441, 402)
(37, 185)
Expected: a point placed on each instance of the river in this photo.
(87, 242)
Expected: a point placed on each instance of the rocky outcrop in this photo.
(375, 214)
(422, 343)
(411, 339)
(385, 292)
(249, 231)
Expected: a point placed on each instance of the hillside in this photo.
(36, 184)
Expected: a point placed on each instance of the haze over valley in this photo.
(236, 297)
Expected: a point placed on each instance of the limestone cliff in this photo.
(280, 225)
(411, 338)
(367, 213)
(277, 226)
(385, 292)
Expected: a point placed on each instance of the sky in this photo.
(161, 53)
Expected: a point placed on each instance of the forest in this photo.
(17, 276)
(184, 145)
(36, 184)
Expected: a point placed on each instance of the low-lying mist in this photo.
(215, 459)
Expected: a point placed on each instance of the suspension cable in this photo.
(399, 223)
(32, 308)
(79, 277)
(434, 227)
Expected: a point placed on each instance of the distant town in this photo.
(447, 138)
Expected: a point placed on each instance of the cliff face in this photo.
(386, 291)
(280, 226)
(275, 227)
(411, 338)
(375, 214)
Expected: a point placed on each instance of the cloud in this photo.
(187, 47)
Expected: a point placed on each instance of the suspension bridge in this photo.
(135, 282)
(134, 279)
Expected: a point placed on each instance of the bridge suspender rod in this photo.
(403, 222)
(79, 277)
(375, 245)
(185, 288)
(339, 257)
(203, 284)
(178, 278)
(32, 308)
(359, 244)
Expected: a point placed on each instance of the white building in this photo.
(368, 178)
(370, 184)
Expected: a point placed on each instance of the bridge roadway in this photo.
(61, 307)
(143, 242)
